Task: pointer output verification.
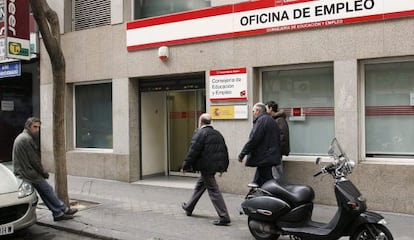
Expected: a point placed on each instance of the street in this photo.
(126, 211)
(38, 232)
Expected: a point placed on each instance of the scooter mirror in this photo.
(318, 160)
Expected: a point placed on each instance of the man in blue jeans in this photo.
(27, 165)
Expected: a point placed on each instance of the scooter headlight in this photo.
(353, 205)
(348, 166)
(382, 222)
(25, 189)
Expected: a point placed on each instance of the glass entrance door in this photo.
(184, 108)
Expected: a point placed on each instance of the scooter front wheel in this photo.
(261, 234)
(372, 232)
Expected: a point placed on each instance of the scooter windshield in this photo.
(335, 149)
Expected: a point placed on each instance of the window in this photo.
(93, 104)
(310, 90)
(152, 8)
(389, 109)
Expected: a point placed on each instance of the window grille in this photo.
(91, 14)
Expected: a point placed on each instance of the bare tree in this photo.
(48, 22)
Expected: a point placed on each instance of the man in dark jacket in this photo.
(27, 165)
(262, 148)
(280, 118)
(207, 154)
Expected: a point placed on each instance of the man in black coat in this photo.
(263, 147)
(207, 154)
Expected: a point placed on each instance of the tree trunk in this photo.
(48, 22)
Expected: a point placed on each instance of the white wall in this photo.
(117, 11)
(59, 8)
(153, 117)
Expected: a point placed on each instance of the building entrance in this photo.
(184, 108)
(169, 116)
(16, 107)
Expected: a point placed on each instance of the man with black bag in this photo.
(207, 154)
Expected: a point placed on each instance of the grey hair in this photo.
(30, 121)
(260, 106)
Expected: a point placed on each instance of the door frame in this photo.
(167, 83)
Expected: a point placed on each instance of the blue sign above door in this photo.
(10, 69)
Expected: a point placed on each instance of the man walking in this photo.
(280, 118)
(28, 166)
(262, 148)
(207, 154)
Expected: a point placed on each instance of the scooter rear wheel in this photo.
(261, 235)
(372, 232)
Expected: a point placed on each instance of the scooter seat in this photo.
(294, 194)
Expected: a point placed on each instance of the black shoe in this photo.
(71, 211)
(221, 222)
(184, 207)
(62, 217)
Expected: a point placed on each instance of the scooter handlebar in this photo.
(327, 169)
(317, 174)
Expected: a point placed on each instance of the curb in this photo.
(74, 231)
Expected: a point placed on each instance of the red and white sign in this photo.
(297, 114)
(258, 17)
(17, 32)
(228, 84)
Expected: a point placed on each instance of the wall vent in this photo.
(91, 14)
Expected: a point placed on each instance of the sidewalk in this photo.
(131, 211)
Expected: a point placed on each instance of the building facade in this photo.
(130, 114)
(19, 73)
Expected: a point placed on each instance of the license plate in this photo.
(6, 229)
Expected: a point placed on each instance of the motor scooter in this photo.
(277, 208)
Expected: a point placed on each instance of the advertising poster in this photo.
(18, 29)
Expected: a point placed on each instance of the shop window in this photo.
(306, 95)
(389, 109)
(93, 104)
(152, 8)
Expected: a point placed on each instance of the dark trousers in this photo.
(208, 181)
(262, 175)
